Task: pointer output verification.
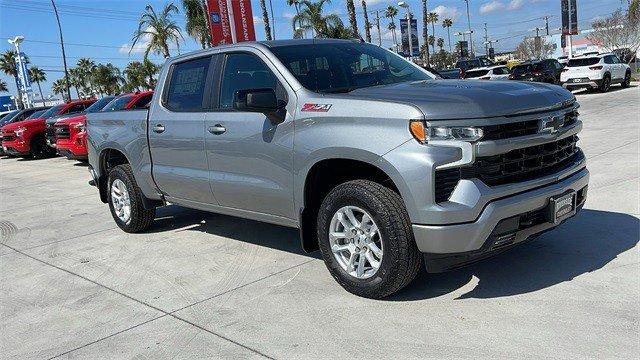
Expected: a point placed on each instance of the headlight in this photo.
(424, 133)
(20, 131)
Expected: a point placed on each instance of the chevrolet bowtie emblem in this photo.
(551, 123)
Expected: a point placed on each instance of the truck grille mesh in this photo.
(62, 132)
(522, 128)
(515, 166)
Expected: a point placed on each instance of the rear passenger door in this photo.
(176, 133)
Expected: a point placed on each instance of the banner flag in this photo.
(230, 21)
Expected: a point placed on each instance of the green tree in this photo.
(38, 75)
(425, 29)
(196, 25)
(159, 30)
(60, 87)
(390, 13)
(84, 68)
(338, 31)
(107, 78)
(265, 20)
(140, 75)
(311, 17)
(351, 10)
(447, 23)
(440, 43)
(8, 66)
(76, 81)
(433, 19)
(3, 86)
(367, 24)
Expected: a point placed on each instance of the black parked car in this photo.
(545, 71)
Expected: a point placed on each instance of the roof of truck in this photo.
(277, 43)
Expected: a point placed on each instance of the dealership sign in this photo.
(230, 21)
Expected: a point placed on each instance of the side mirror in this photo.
(256, 100)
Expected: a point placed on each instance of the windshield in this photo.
(98, 105)
(527, 68)
(52, 112)
(118, 103)
(583, 62)
(468, 64)
(7, 117)
(343, 67)
(37, 114)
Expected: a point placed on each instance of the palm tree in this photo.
(425, 29)
(38, 75)
(8, 66)
(3, 86)
(196, 25)
(265, 20)
(351, 10)
(107, 78)
(367, 24)
(433, 19)
(391, 12)
(133, 74)
(312, 18)
(431, 41)
(76, 80)
(447, 23)
(159, 30)
(60, 87)
(338, 31)
(440, 43)
(85, 66)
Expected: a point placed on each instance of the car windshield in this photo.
(476, 73)
(52, 112)
(343, 67)
(527, 68)
(583, 62)
(99, 105)
(468, 64)
(118, 103)
(37, 114)
(7, 117)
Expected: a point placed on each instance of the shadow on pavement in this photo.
(583, 244)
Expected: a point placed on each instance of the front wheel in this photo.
(366, 239)
(627, 80)
(125, 201)
(605, 85)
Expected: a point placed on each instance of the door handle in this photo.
(159, 128)
(217, 129)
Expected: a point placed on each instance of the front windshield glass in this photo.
(52, 112)
(36, 114)
(7, 117)
(118, 103)
(526, 68)
(98, 105)
(343, 67)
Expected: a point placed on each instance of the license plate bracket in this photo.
(562, 207)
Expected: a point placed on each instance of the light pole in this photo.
(64, 56)
(23, 75)
(404, 5)
(470, 32)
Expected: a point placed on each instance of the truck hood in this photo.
(463, 99)
(72, 119)
(24, 123)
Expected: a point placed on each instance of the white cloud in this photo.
(370, 3)
(446, 12)
(288, 15)
(257, 20)
(139, 48)
(515, 4)
(491, 6)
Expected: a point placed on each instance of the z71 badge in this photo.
(316, 107)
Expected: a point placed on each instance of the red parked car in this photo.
(70, 133)
(27, 139)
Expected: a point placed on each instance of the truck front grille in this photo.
(50, 133)
(515, 166)
(521, 128)
(8, 136)
(62, 132)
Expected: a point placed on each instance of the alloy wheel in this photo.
(120, 200)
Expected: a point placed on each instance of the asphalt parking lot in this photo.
(201, 285)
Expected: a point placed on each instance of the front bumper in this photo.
(74, 148)
(471, 238)
(16, 147)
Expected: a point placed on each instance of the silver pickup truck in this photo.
(380, 166)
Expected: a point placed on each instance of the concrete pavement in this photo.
(199, 285)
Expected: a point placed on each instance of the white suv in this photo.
(499, 72)
(595, 71)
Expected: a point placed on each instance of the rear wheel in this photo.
(605, 84)
(39, 147)
(366, 239)
(627, 80)
(125, 201)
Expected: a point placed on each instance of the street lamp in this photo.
(22, 73)
(404, 5)
(470, 32)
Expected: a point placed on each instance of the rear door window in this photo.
(501, 71)
(187, 85)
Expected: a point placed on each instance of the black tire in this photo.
(140, 218)
(627, 80)
(39, 148)
(401, 261)
(605, 84)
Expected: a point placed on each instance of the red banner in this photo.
(230, 21)
(219, 22)
(243, 20)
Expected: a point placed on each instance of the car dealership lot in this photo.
(203, 285)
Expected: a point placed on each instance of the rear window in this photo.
(118, 103)
(583, 62)
(52, 112)
(468, 64)
(186, 86)
(527, 68)
(476, 73)
(501, 71)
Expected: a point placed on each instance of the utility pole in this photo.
(64, 56)
(378, 27)
(273, 20)
(486, 40)
(546, 25)
(569, 42)
(469, 23)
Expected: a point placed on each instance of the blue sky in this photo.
(102, 29)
